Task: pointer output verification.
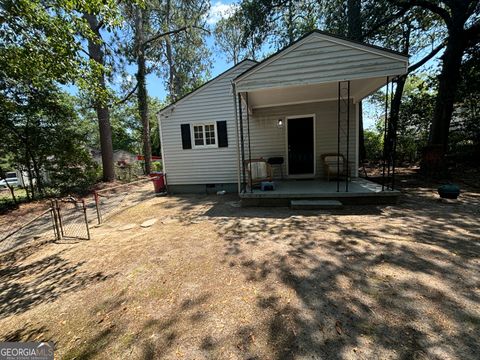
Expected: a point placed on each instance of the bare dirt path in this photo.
(210, 280)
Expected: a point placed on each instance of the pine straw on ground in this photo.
(210, 280)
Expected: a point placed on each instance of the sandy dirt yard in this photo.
(211, 280)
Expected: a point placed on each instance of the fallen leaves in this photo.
(338, 327)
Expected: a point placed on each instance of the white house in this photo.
(300, 104)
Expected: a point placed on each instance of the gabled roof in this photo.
(204, 85)
(279, 53)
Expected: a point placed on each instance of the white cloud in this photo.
(218, 11)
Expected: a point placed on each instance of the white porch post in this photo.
(237, 138)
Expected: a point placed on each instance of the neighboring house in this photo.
(299, 104)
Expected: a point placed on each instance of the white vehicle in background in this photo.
(14, 179)
(10, 178)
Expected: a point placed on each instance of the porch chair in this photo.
(258, 170)
(334, 164)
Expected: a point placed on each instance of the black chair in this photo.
(277, 161)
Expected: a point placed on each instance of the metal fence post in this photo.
(55, 220)
(57, 207)
(99, 217)
(86, 220)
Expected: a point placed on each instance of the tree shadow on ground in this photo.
(27, 332)
(24, 285)
(399, 283)
(402, 285)
(347, 301)
(152, 339)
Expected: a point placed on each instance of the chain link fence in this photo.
(67, 218)
(71, 218)
(113, 200)
(61, 219)
(40, 228)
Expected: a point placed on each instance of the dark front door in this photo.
(300, 146)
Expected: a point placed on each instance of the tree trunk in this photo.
(433, 159)
(142, 96)
(447, 89)
(355, 32)
(394, 115)
(291, 36)
(12, 191)
(103, 114)
(38, 179)
(30, 177)
(354, 8)
(391, 141)
(172, 78)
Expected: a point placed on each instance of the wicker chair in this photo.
(334, 165)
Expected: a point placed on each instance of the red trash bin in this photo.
(158, 179)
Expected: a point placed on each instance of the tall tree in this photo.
(465, 129)
(229, 38)
(153, 29)
(280, 21)
(181, 57)
(140, 23)
(461, 18)
(45, 137)
(415, 32)
(97, 55)
(41, 44)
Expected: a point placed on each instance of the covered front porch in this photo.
(302, 107)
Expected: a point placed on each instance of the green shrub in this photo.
(373, 145)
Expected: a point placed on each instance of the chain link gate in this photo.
(70, 219)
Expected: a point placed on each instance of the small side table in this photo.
(277, 161)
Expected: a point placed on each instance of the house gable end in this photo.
(247, 63)
(320, 58)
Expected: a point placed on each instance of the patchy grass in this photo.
(210, 280)
(6, 197)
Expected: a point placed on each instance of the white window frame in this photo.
(203, 124)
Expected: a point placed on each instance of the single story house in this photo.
(298, 108)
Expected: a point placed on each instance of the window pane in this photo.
(198, 135)
(210, 134)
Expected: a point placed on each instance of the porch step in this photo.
(315, 204)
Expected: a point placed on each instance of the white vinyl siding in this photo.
(209, 164)
(268, 140)
(318, 59)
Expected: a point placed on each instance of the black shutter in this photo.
(186, 137)
(222, 134)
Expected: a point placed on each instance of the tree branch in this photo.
(127, 96)
(172, 32)
(472, 34)
(384, 22)
(426, 4)
(426, 58)
(99, 25)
